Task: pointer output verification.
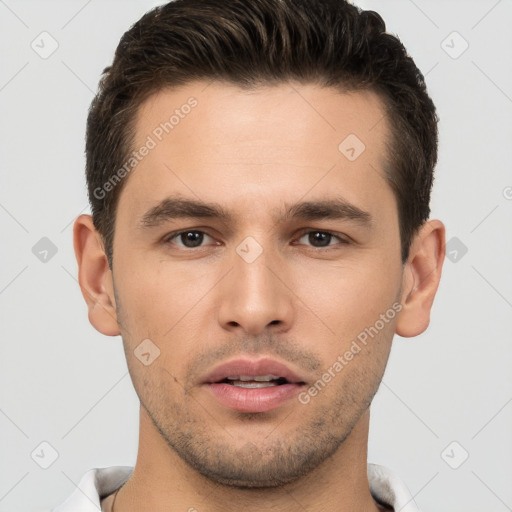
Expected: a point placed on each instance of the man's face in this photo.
(258, 284)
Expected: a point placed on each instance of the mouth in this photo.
(253, 386)
(257, 381)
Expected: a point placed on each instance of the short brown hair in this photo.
(251, 43)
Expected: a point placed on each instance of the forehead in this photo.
(215, 139)
(289, 109)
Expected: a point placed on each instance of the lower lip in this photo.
(253, 399)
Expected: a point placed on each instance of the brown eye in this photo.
(321, 239)
(188, 238)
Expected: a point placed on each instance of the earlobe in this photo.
(95, 277)
(421, 277)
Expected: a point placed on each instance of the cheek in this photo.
(348, 295)
(159, 298)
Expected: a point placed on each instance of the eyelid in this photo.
(169, 236)
(340, 236)
(343, 239)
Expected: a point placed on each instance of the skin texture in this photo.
(300, 302)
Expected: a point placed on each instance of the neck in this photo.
(162, 481)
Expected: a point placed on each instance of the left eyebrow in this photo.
(337, 209)
(172, 208)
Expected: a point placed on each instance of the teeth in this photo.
(241, 384)
(259, 378)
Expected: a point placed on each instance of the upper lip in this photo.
(252, 368)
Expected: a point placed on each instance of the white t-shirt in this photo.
(385, 486)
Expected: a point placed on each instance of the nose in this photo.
(255, 295)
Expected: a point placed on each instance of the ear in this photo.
(95, 277)
(421, 277)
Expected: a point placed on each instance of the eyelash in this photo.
(342, 240)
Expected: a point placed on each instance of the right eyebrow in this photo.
(175, 207)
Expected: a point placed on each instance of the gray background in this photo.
(446, 394)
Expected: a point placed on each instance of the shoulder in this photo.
(387, 487)
(93, 486)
